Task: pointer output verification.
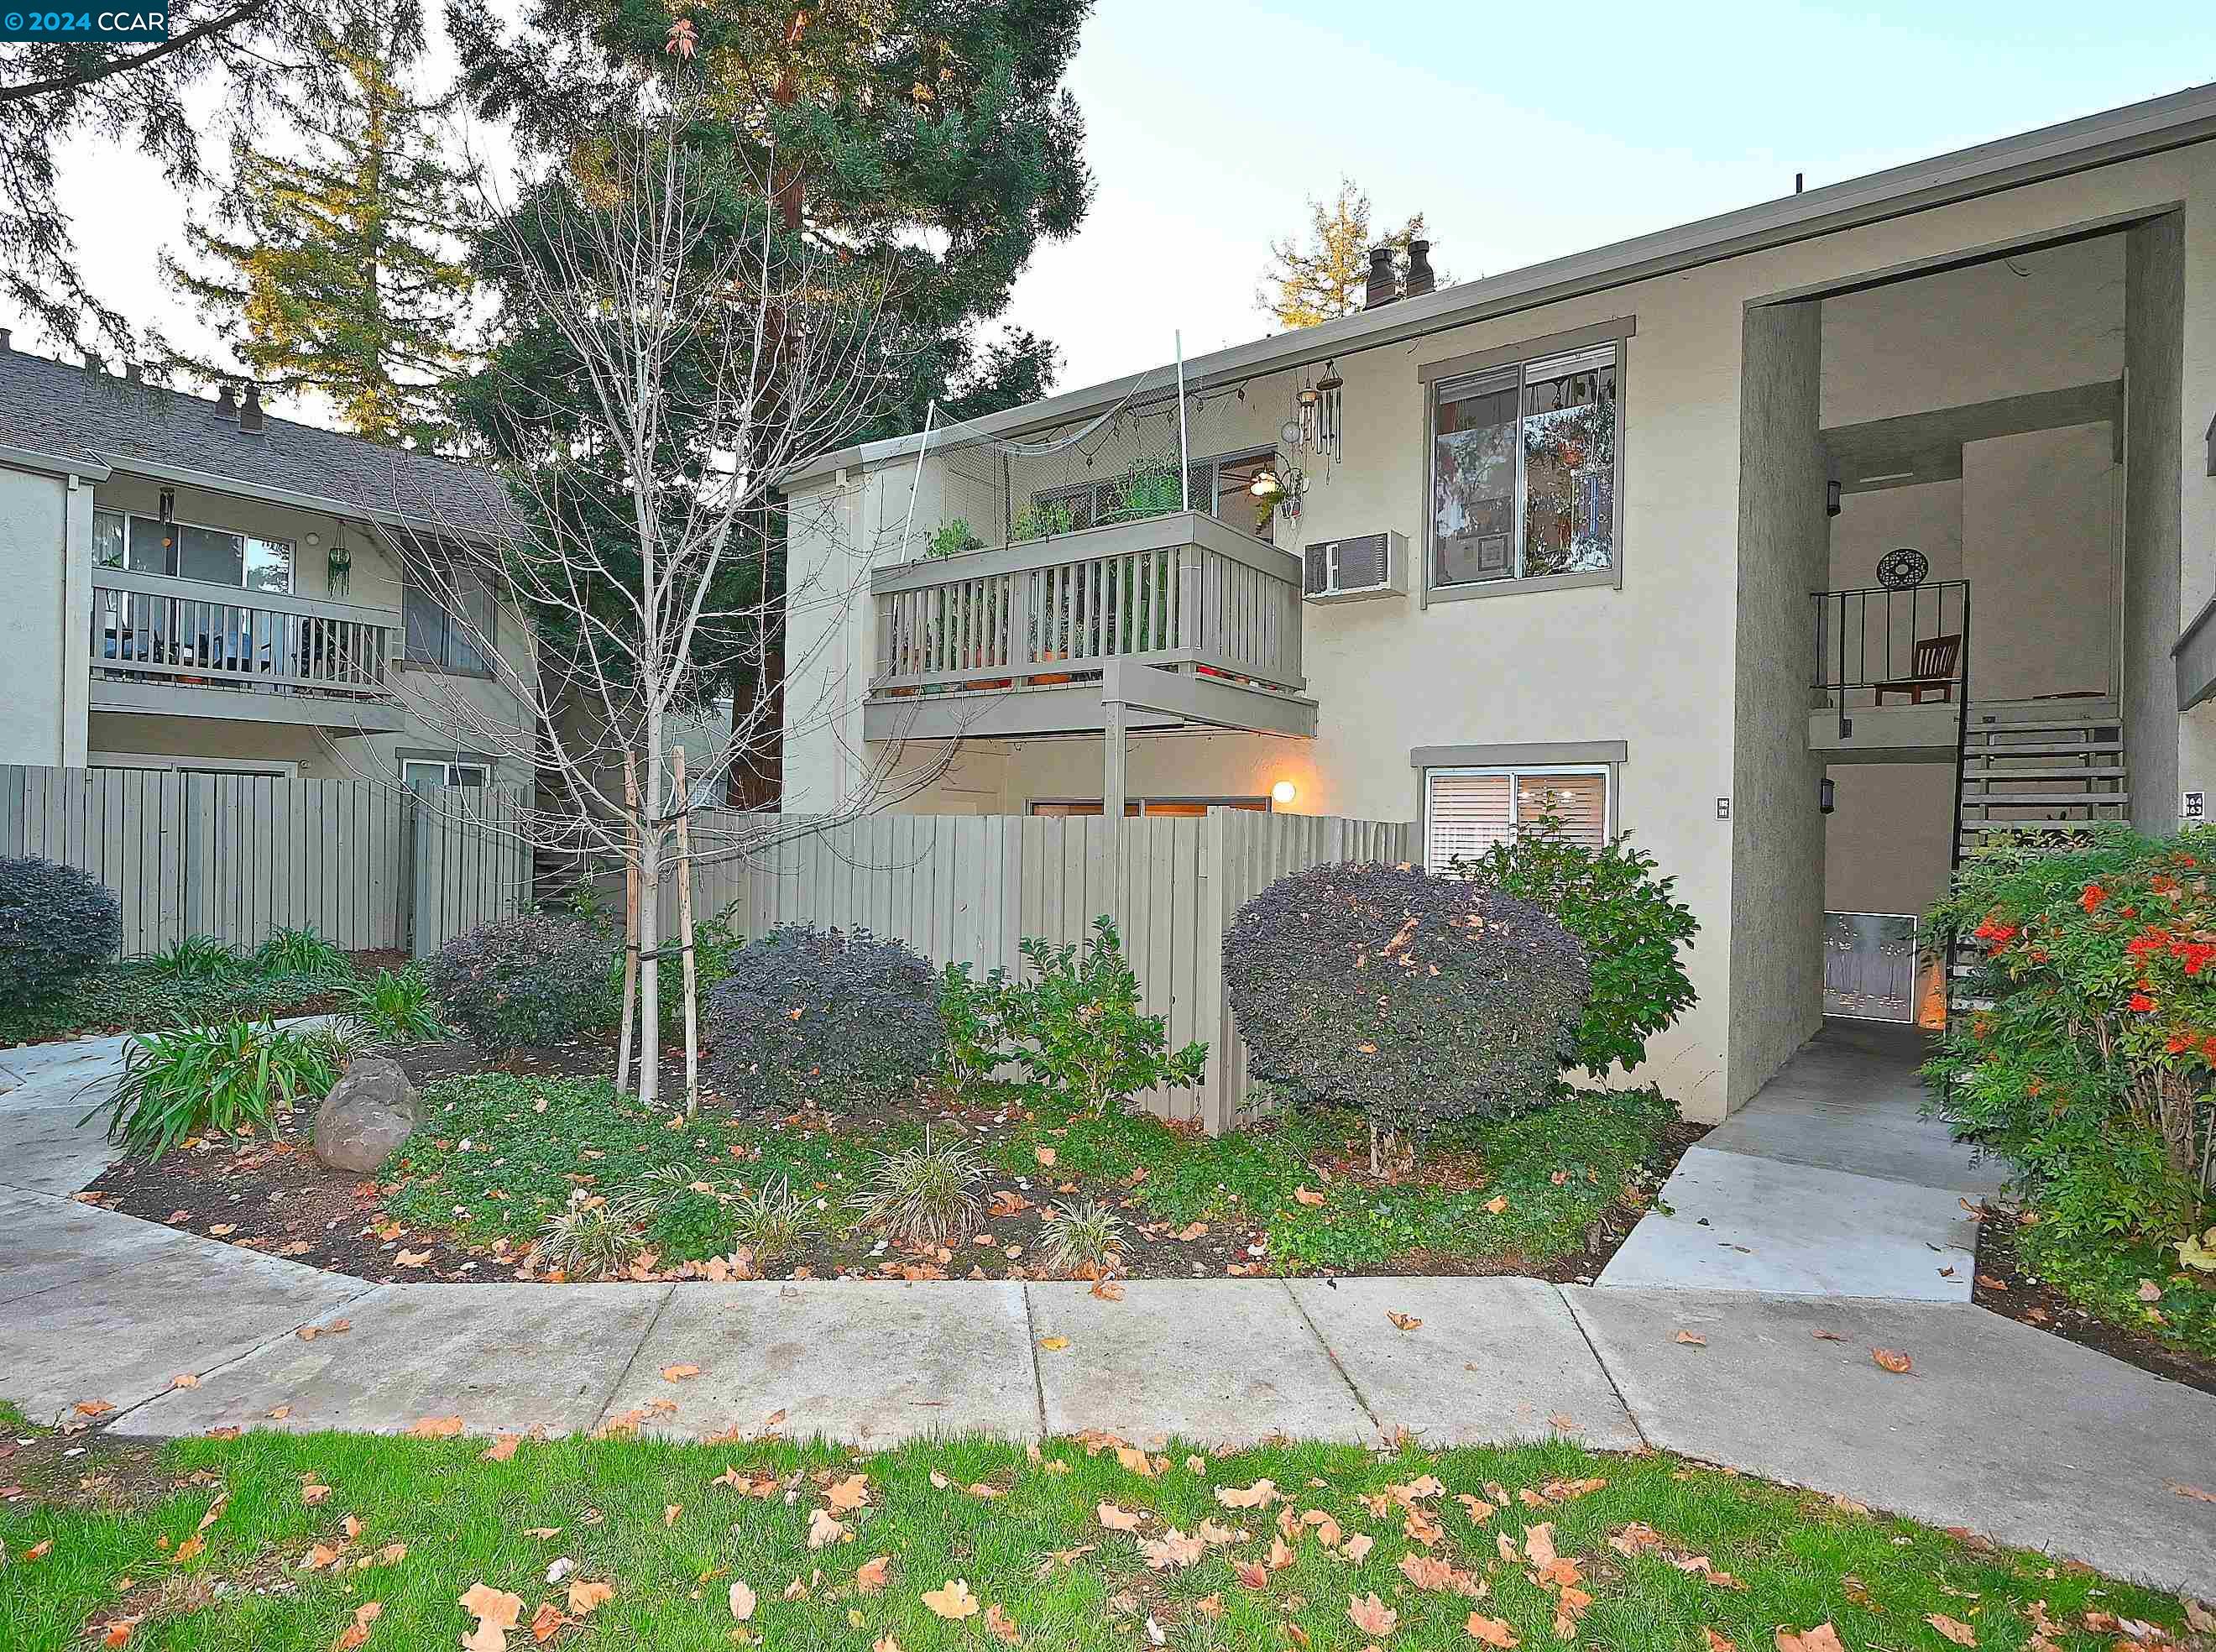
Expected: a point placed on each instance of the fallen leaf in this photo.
(679, 1374)
(2199, 1617)
(822, 1529)
(278, 1412)
(848, 1494)
(1953, 1627)
(1822, 1638)
(1119, 1519)
(869, 1576)
(1307, 1196)
(1175, 1553)
(1260, 1494)
(1001, 1626)
(1894, 1360)
(1493, 1631)
(1692, 1339)
(496, 1612)
(92, 1408)
(546, 1622)
(406, 1257)
(1108, 1289)
(586, 1598)
(184, 1379)
(954, 1600)
(1718, 1644)
(500, 1450)
(311, 1493)
(2193, 1492)
(1405, 1321)
(1251, 1574)
(39, 1551)
(1497, 1203)
(1044, 1155)
(1053, 1344)
(437, 1428)
(1357, 1547)
(1370, 1615)
(1827, 1336)
(358, 1631)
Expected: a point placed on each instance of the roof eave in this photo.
(2114, 135)
(212, 482)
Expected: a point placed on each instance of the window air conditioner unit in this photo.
(1348, 570)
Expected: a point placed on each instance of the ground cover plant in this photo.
(501, 1157)
(310, 1542)
(199, 980)
(2090, 1073)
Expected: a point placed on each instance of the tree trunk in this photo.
(629, 924)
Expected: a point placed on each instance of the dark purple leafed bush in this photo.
(823, 1015)
(1418, 999)
(58, 924)
(521, 982)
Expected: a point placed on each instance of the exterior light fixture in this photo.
(1826, 795)
(1266, 486)
(1283, 791)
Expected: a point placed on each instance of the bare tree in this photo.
(680, 351)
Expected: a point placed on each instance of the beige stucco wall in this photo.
(1887, 841)
(1653, 664)
(35, 623)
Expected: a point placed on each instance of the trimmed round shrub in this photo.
(522, 982)
(1415, 998)
(823, 1015)
(57, 925)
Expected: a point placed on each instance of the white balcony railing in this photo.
(1183, 590)
(148, 627)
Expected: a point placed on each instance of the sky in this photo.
(1521, 132)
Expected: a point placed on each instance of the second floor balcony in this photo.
(1012, 640)
(169, 646)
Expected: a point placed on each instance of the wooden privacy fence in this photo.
(963, 888)
(236, 856)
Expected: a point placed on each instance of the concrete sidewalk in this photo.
(1829, 1182)
(2000, 1428)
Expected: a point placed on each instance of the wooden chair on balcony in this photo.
(1933, 668)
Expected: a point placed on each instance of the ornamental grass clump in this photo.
(829, 1016)
(1416, 999)
(192, 1080)
(923, 1197)
(58, 924)
(1082, 1239)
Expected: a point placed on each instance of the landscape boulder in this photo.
(367, 1116)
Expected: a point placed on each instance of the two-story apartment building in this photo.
(1806, 543)
(194, 583)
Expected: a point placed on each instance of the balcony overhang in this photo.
(167, 698)
(1887, 733)
(1205, 705)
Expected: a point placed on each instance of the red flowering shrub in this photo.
(2094, 1070)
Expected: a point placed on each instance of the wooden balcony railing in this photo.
(150, 626)
(1182, 590)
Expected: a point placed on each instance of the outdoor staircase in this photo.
(2050, 779)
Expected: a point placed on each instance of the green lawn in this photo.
(431, 1520)
(1525, 1190)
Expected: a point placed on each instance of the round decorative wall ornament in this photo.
(1898, 569)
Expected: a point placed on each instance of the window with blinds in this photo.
(1466, 810)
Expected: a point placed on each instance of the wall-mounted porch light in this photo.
(1826, 796)
(1283, 791)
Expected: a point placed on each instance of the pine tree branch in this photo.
(215, 25)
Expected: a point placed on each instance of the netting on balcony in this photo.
(973, 490)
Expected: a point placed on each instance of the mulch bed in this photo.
(270, 1193)
(2003, 1285)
